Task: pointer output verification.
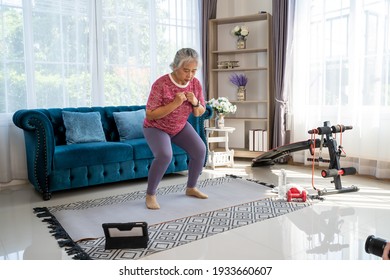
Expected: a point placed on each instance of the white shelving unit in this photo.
(256, 112)
(223, 157)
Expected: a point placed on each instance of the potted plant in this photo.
(222, 107)
(240, 81)
(241, 32)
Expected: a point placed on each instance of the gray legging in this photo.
(160, 144)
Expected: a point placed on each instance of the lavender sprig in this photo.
(239, 80)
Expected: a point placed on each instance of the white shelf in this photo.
(240, 69)
(247, 119)
(240, 51)
(249, 18)
(218, 157)
(249, 101)
(256, 112)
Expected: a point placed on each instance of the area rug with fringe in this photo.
(233, 202)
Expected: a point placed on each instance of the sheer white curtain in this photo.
(71, 53)
(340, 72)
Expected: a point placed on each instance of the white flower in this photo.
(240, 31)
(222, 105)
(244, 32)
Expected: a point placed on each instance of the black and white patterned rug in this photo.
(172, 232)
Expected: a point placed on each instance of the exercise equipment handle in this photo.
(341, 128)
(335, 172)
(328, 130)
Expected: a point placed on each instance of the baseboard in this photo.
(14, 183)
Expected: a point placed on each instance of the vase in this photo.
(241, 93)
(219, 121)
(241, 42)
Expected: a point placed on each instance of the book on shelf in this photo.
(258, 140)
(265, 140)
(251, 140)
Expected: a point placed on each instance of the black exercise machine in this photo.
(335, 152)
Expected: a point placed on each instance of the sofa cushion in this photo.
(87, 154)
(142, 151)
(130, 124)
(83, 127)
(177, 150)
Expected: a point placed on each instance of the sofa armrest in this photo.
(40, 145)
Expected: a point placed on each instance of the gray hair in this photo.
(184, 55)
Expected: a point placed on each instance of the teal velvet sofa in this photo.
(55, 165)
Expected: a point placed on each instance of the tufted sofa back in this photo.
(106, 113)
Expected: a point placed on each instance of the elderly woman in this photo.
(172, 98)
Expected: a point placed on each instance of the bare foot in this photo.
(151, 202)
(196, 193)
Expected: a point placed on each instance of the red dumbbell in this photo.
(295, 193)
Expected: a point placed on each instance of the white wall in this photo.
(229, 8)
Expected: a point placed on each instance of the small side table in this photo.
(219, 158)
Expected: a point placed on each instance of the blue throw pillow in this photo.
(83, 127)
(130, 124)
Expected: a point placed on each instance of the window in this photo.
(341, 74)
(71, 53)
(140, 39)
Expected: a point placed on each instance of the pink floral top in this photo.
(163, 92)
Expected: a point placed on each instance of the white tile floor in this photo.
(333, 229)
